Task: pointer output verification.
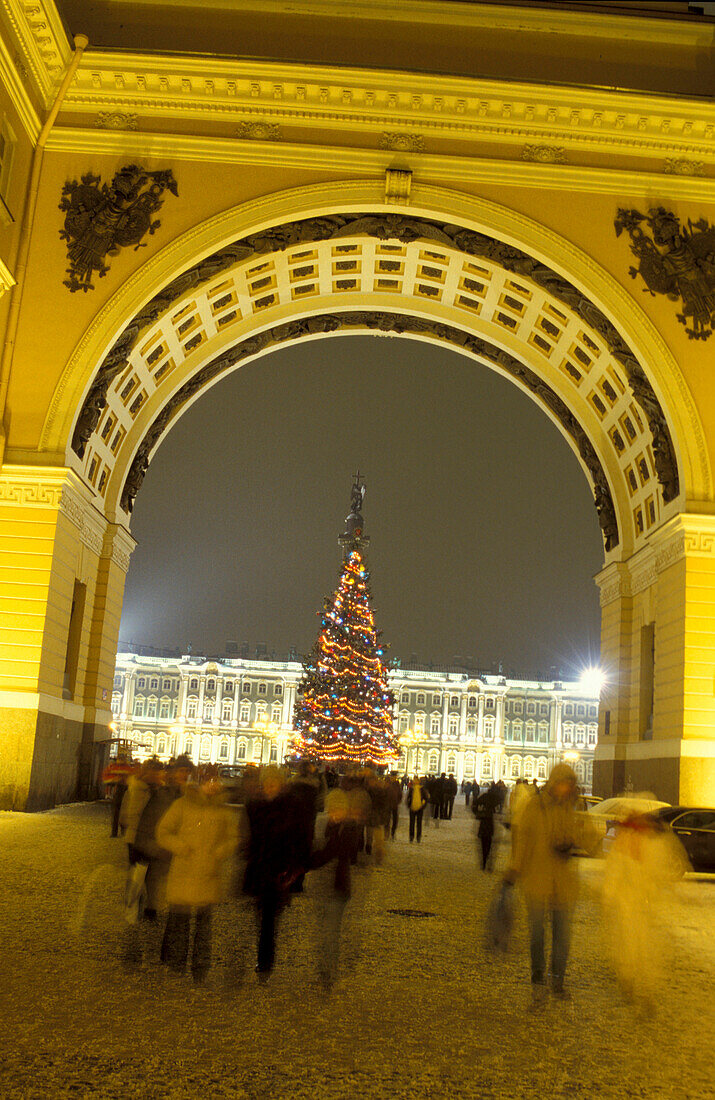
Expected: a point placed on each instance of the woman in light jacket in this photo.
(201, 832)
(417, 799)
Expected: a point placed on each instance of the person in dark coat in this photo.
(484, 808)
(450, 793)
(436, 797)
(467, 791)
(394, 791)
(274, 847)
(308, 797)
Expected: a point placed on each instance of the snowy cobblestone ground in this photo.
(421, 1010)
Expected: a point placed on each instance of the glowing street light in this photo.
(592, 681)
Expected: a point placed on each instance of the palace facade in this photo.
(237, 711)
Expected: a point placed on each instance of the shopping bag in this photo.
(500, 917)
(135, 892)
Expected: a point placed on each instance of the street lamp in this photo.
(592, 681)
(270, 730)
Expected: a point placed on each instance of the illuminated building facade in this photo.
(237, 711)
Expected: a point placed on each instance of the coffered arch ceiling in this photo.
(397, 272)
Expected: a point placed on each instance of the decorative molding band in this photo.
(11, 75)
(28, 493)
(117, 120)
(443, 168)
(398, 184)
(544, 154)
(402, 143)
(41, 41)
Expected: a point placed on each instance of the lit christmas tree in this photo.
(343, 712)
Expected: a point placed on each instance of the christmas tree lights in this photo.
(343, 712)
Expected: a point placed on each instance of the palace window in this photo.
(141, 682)
(531, 708)
(161, 747)
(194, 685)
(420, 760)
(469, 765)
(404, 723)
(530, 731)
(488, 729)
(274, 754)
(245, 713)
(593, 712)
(518, 706)
(419, 723)
(241, 750)
(489, 702)
(405, 698)
(151, 708)
(451, 764)
(471, 729)
(164, 708)
(592, 737)
(262, 688)
(260, 712)
(435, 700)
(487, 766)
(580, 711)
(433, 762)
(453, 725)
(421, 699)
(568, 709)
(472, 702)
(210, 685)
(167, 685)
(154, 685)
(580, 735)
(542, 769)
(454, 701)
(228, 687)
(568, 732)
(191, 706)
(515, 767)
(435, 725)
(189, 747)
(529, 768)
(226, 712)
(223, 750)
(276, 715)
(139, 707)
(256, 749)
(246, 687)
(544, 708)
(208, 712)
(278, 689)
(543, 732)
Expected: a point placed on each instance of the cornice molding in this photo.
(447, 168)
(685, 536)
(454, 108)
(41, 41)
(7, 280)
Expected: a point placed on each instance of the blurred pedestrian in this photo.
(518, 800)
(484, 808)
(466, 791)
(549, 834)
(379, 812)
(274, 847)
(394, 793)
(335, 887)
(200, 832)
(642, 866)
(450, 793)
(309, 797)
(416, 799)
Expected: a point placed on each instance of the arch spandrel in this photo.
(421, 271)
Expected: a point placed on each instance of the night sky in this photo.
(484, 537)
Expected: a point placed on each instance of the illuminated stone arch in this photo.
(322, 261)
(445, 269)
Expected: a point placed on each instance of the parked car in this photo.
(694, 827)
(611, 810)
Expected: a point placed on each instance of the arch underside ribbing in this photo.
(402, 229)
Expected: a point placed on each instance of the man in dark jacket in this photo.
(306, 793)
(394, 791)
(450, 793)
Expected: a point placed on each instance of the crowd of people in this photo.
(193, 837)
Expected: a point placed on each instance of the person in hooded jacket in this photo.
(550, 831)
(201, 833)
(484, 808)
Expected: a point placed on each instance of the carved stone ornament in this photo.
(382, 322)
(403, 143)
(676, 261)
(259, 131)
(398, 227)
(116, 120)
(101, 218)
(544, 154)
(680, 167)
